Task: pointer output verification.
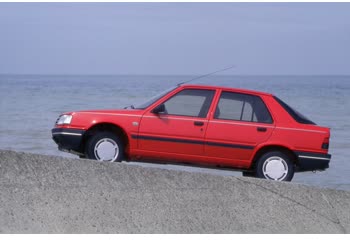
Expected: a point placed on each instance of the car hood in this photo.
(109, 111)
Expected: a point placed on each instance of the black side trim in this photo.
(167, 139)
(229, 145)
(192, 142)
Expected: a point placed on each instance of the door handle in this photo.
(198, 123)
(261, 129)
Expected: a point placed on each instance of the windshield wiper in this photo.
(131, 106)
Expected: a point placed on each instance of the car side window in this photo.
(242, 107)
(190, 102)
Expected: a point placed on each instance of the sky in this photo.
(175, 38)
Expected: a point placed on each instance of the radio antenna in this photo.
(206, 75)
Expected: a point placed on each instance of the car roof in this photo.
(239, 90)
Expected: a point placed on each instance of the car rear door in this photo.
(239, 123)
(177, 132)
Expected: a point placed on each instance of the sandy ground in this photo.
(47, 194)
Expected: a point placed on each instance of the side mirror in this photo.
(159, 109)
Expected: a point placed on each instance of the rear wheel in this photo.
(275, 166)
(105, 146)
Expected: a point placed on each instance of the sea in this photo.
(30, 105)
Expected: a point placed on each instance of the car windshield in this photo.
(154, 99)
(294, 113)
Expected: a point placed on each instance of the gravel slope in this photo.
(48, 194)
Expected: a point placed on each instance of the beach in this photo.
(51, 194)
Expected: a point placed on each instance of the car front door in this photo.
(240, 122)
(176, 127)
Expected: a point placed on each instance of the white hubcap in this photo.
(275, 168)
(106, 150)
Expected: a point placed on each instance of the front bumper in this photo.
(309, 161)
(68, 139)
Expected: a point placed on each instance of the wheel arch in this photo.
(108, 127)
(273, 147)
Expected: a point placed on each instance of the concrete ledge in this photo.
(47, 194)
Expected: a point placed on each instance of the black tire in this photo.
(284, 167)
(111, 143)
(248, 174)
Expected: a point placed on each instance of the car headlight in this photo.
(64, 119)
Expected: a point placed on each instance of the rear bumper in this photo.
(68, 139)
(309, 161)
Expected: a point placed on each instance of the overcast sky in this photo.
(174, 38)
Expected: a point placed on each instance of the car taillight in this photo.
(325, 144)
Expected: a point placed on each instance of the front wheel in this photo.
(275, 166)
(105, 146)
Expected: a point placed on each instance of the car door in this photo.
(178, 129)
(239, 123)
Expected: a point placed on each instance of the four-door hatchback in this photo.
(250, 131)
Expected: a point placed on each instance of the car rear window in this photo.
(300, 118)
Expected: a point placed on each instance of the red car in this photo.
(254, 132)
